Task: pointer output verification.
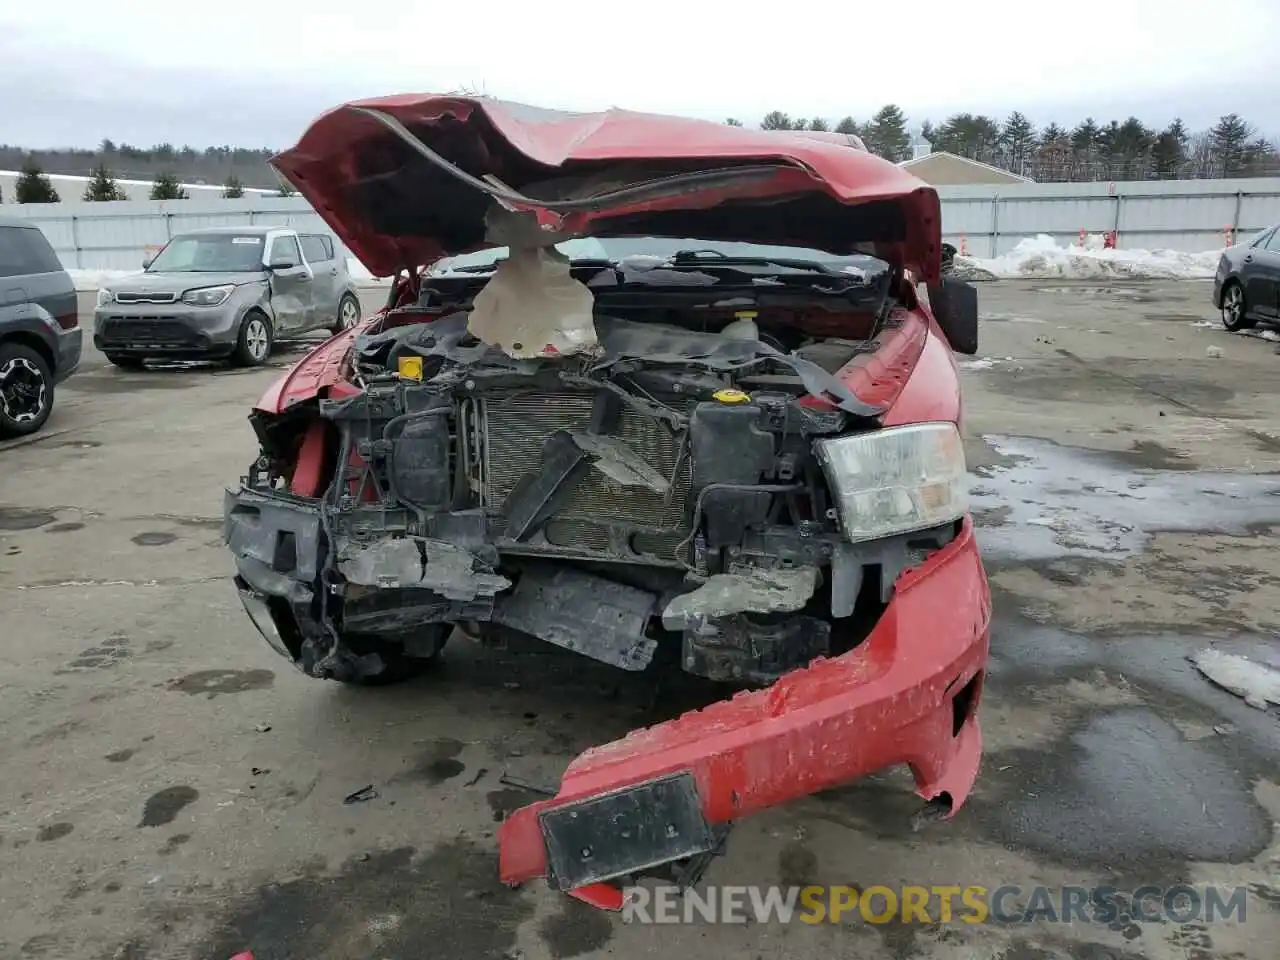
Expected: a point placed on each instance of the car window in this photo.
(24, 251)
(315, 248)
(284, 248)
(1258, 239)
(209, 253)
(1273, 242)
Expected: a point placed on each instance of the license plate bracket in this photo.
(625, 832)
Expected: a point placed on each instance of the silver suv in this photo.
(225, 292)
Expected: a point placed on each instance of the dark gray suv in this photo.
(39, 327)
(226, 292)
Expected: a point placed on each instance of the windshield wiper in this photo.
(714, 259)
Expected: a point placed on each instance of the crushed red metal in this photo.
(346, 532)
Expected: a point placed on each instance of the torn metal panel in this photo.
(399, 562)
(540, 492)
(783, 590)
(621, 464)
(587, 614)
(532, 307)
(256, 527)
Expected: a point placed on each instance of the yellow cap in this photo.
(410, 368)
(731, 396)
(746, 314)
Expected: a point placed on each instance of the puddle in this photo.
(1129, 776)
(1061, 501)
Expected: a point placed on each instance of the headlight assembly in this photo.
(208, 296)
(105, 297)
(896, 481)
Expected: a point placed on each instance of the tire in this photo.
(26, 390)
(348, 314)
(254, 342)
(397, 665)
(126, 362)
(1234, 308)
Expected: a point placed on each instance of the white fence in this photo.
(1188, 215)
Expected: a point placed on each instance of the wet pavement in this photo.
(173, 789)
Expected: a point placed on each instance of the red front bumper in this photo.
(907, 694)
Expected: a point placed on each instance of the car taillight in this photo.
(68, 321)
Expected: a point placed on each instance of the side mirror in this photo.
(955, 307)
(281, 263)
(146, 262)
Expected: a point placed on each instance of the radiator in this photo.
(512, 431)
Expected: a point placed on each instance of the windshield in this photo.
(620, 248)
(209, 253)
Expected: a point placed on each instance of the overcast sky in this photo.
(252, 74)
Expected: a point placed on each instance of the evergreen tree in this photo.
(1260, 158)
(1053, 155)
(33, 186)
(848, 126)
(1084, 147)
(232, 190)
(1230, 137)
(167, 187)
(1017, 141)
(103, 186)
(886, 134)
(733, 123)
(1169, 152)
(775, 120)
(817, 123)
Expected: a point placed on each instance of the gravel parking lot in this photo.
(173, 789)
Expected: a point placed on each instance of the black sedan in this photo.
(1246, 287)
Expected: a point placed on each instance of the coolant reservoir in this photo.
(743, 327)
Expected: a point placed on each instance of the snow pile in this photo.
(1040, 257)
(1258, 683)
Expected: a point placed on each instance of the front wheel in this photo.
(1234, 309)
(26, 390)
(348, 314)
(253, 345)
(401, 659)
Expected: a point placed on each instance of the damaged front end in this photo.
(668, 452)
(662, 488)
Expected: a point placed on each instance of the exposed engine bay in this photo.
(646, 479)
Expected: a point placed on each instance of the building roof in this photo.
(907, 164)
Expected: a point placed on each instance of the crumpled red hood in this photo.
(616, 173)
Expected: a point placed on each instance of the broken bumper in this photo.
(907, 694)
